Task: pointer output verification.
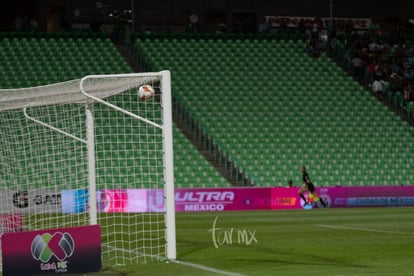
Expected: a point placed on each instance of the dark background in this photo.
(173, 15)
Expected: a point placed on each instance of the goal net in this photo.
(91, 151)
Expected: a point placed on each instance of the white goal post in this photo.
(91, 151)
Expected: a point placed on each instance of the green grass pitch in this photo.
(335, 242)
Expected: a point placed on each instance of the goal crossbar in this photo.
(70, 91)
(92, 95)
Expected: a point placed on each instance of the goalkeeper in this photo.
(308, 186)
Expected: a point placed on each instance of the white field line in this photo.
(364, 229)
(206, 268)
(156, 257)
(197, 266)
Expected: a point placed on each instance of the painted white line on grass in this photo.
(364, 229)
(134, 252)
(207, 268)
(160, 258)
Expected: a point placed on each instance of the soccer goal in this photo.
(91, 151)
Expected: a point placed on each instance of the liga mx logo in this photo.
(45, 246)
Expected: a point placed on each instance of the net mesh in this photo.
(44, 155)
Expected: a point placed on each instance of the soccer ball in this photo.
(146, 92)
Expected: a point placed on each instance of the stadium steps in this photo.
(125, 52)
(196, 140)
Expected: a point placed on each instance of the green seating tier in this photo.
(274, 108)
(38, 61)
(41, 59)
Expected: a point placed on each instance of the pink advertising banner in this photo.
(243, 198)
(63, 250)
(190, 200)
(196, 200)
(368, 196)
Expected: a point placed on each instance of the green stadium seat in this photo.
(268, 92)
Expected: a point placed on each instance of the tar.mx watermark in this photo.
(228, 236)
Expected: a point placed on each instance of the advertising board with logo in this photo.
(32, 201)
(295, 21)
(186, 200)
(63, 250)
(202, 200)
(243, 198)
(380, 196)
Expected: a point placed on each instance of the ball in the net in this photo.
(146, 92)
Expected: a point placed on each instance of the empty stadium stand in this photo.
(41, 58)
(267, 108)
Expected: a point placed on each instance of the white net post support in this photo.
(169, 195)
(90, 134)
(69, 135)
(169, 166)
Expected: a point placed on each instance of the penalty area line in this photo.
(363, 229)
(206, 268)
